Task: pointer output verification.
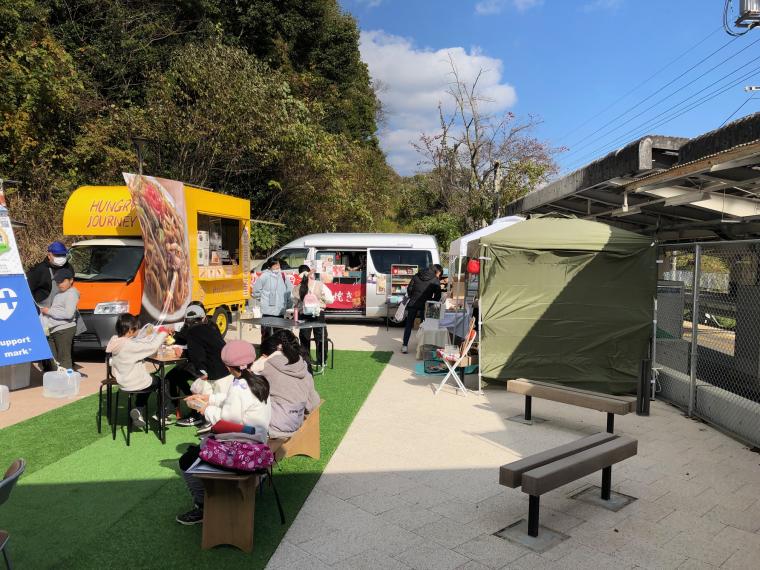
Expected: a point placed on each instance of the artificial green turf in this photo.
(86, 501)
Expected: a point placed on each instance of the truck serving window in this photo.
(218, 240)
(106, 262)
(382, 259)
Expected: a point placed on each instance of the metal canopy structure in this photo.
(671, 188)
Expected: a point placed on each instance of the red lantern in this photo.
(473, 266)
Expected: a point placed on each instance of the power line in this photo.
(629, 120)
(694, 105)
(672, 107)
(668, 84)
(640, 85)
(739, 108)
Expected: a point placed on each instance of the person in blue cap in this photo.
(40, 276)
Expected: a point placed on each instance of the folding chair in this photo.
(454, 363)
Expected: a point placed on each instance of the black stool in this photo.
(108, 384)
(129, 394)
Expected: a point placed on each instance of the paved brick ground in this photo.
(414, 484)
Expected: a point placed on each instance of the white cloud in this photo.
(370, 3)
(525, 4)
(488, 7)
(596, 5)
(415, 80)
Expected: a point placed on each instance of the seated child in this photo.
(239, 403)
(291, 385)
(204, 361)
(127, 355)
(60, 319)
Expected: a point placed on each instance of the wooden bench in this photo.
(607, 403)
(230, 500)
(305, 441)
(548, 470)
(228, 509)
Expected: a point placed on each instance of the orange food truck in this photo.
(197, 249)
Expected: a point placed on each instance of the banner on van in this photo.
(160, 206)
(347, 296)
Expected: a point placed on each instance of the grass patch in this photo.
(89, 502)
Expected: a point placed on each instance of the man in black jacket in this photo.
(40, 276)
(424, 287)
(204, 357)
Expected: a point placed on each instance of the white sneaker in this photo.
(137, 418)
(404, 349)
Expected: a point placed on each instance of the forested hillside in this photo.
(266, 99)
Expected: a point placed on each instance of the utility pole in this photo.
(139, 143)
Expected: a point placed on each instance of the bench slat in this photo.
(548, 477)
(620, 405)
(510, 474)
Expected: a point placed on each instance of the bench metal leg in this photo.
(606, 482)
(610, 422)
(533, 502)
(528, 405)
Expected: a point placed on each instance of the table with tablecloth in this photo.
(457, 322)
(432, 337)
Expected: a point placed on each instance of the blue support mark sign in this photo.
(21, 336)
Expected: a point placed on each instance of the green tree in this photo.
(266, 99)
(480, 161)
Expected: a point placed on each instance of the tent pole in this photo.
(482, 259)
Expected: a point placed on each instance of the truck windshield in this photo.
(106, 262)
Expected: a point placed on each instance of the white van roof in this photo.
(359, 240)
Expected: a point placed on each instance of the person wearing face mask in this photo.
(40, 277)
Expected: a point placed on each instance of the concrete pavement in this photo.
(414, 484)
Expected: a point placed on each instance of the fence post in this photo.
(694, 328)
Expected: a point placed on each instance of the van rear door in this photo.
(379, 263)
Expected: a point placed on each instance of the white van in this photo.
(360, 289)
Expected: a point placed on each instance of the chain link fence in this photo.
(707, 354)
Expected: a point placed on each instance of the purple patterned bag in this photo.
(238, 455)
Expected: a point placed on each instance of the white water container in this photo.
(5, 398)
(61, 383)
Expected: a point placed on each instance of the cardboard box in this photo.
(458, 290)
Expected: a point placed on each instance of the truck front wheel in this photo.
(221, 319)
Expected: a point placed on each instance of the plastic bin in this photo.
(61, 384)
(16, 376)
(5, 398)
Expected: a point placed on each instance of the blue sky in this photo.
(563, 60)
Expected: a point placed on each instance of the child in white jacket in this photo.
(239, 403)
(127, 355)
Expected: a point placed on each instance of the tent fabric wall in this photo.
(567, 301)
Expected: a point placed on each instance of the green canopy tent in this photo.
(567, 301)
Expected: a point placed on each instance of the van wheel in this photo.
(221, 319)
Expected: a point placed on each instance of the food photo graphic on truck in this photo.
(153, 247)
